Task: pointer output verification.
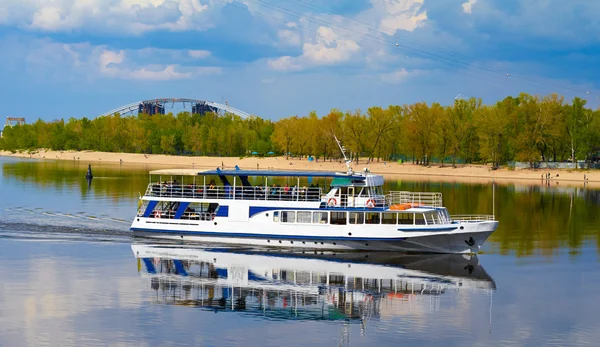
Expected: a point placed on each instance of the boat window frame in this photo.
(411, 219)
(321, 214)
(373, 214)
(389, 213)
(304, 212)
(339, 221)
(286, 219)
(359, 217)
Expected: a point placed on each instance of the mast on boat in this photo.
(343, 150)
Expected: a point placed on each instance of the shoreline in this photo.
(475, 173)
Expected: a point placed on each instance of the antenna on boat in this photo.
(343, 149)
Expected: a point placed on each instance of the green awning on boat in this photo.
(341, 181)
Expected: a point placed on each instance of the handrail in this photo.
(418, 198)
(472, 217)
(233, 193)
(346, 200)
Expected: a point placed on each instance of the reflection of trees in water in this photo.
(110, 180)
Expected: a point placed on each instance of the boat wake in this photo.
(39, 231)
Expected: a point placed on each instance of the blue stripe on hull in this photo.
(429, 229)
(268, 236)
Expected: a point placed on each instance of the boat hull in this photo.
(466, 241)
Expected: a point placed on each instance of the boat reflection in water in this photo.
(288, 285)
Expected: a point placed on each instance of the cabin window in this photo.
(303, 216)
(388, 218)
(405, 218)
(419, 219)
(200, 211)
(288, 216)
(446, 216)
(338, 218)
(430, 218)
(320, 217)
(276, 216)
(372, 218)
(356, 218)
(440, 217)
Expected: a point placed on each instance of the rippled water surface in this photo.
(72, 275)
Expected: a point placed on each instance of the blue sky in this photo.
(278, 58)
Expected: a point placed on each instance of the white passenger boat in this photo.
(353, 214)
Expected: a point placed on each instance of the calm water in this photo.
(71, 274)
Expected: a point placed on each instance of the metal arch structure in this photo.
(134, 107)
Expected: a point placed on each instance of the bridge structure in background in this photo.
(158, 106)
(12, 121)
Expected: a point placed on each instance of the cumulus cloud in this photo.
(396, 15)
(328, 48)
(120, 16)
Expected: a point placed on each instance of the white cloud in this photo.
(120, 16)
(45, 58)
(468, 6)
(327, 49)
(112, 64)
(289, 37)
(399, 14)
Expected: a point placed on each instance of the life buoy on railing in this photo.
(370, 203)
(332, 202)
(156, 214)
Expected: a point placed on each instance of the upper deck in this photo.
(362, 179)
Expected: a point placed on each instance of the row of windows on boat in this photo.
(343, 218)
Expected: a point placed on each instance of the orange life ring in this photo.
(370, 203)
(329, 202)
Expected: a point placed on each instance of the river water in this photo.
(72, 274)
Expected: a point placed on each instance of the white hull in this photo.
(380, 238)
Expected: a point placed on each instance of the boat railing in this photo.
(414, 198)
(234, 193)
(346, 200)
(472, 217)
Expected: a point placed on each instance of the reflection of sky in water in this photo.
(82, 293)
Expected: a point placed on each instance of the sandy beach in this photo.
(464, 173)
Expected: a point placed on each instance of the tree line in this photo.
(524, 128)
